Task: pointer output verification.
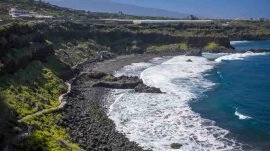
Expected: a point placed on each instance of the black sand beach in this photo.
(85, 112)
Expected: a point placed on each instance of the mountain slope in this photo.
(112, 7)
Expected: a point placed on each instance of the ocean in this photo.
(246, 45)
(214, 102)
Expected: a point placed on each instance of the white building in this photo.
(19, 13)
(43, 17)
(170, 21)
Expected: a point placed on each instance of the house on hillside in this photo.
(15, 13)
(43, 17)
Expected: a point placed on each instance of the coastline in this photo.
(84, 114)
(34, 66)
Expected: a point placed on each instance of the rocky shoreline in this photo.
(84, 114)
(85, 117)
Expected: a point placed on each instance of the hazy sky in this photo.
(213, 8)
(201, 8)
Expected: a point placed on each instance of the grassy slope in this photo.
(32, 89)
(27, 91)
(29, 82)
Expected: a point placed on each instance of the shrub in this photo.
(183, 46)
(167, 48)
(34, 85)
(48, 136)
(211, 45)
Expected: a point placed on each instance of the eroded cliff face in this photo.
(21, 44)
(74, 43)
(29, 79)
(191, 41)
(239, 37)
(130, 42)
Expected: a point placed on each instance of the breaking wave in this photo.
(155, 121)
(238, 42)
(238, 56)
(241, 116)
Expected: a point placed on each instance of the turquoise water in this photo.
(247, 45)
(240, 100)
(216, 102)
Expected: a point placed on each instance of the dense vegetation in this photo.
(27, 91)
(234, 29)
(30, 82)
(168, 48)
(48, 135)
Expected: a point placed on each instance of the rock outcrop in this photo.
(176, 146)
(88, 124)
(84, 115)
(104, 80)
(141, 88)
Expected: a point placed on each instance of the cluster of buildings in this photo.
(251, 19)
(15, 13)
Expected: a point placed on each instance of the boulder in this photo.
(122, 82)
(141, 88)
(189, 60)
(96, 75)
(104, 80)
(105, 55)
(176, 146)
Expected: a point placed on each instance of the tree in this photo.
(192, 17)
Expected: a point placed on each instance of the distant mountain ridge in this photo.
(114, 7)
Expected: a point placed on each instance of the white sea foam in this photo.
(157, 58)
(213, 56)
(133, 70)
(238, 56)
(157, 120)
(241, 116)
(238, 42)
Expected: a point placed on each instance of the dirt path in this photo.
(27, 134)
(60, 106)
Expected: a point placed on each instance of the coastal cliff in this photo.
(74, 43)
(36, 58)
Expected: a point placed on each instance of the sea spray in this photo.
(157, 120)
